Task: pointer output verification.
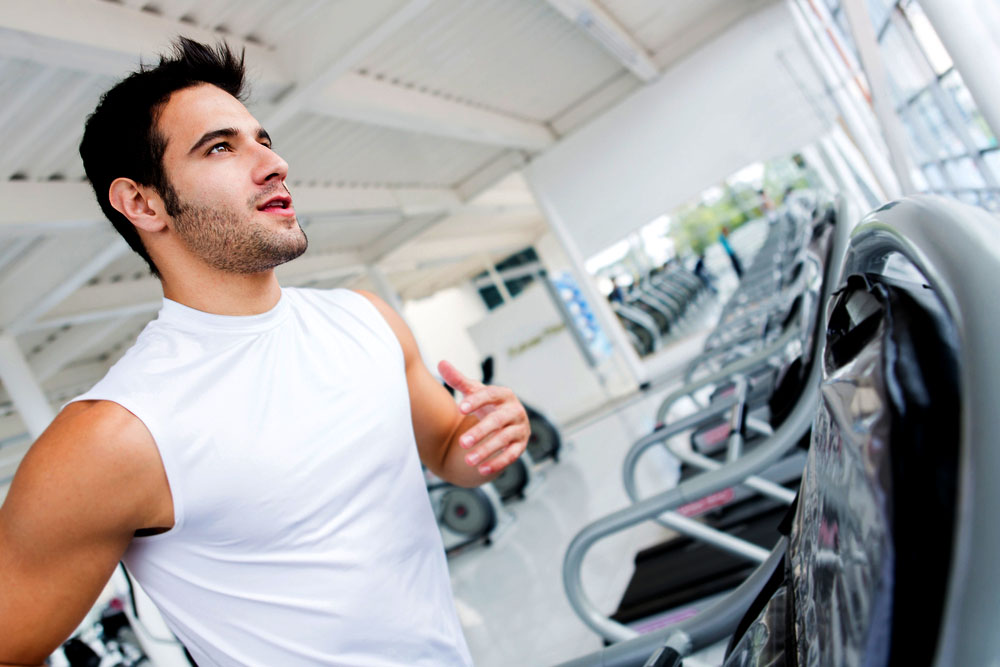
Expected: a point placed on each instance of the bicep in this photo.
(67, 519)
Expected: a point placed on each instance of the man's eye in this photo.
(219, 148)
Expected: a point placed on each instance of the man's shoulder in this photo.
(104, 428)
(95, 471)
(95, 446)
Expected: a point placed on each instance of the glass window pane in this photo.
(964, 174)
(974, 121)
(905, 75)
(934, 177)
(878, 10)
(968, 197)
(947, 144)
(917, 133)
(992, 159)
(927, 37)
(991, 200)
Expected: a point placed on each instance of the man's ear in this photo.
(139, 204)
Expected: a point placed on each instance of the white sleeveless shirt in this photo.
(303, 533)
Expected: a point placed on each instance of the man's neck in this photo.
(225, 293)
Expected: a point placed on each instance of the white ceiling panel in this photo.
(325, 151)
(42, 118)
(262, 21)
(671, 30)
(329, 233)
(518, 57)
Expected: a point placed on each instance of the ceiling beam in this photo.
(486, 176)
(108, 38)
(92, 265)
(399, 236)
(319, 267)
(317, 200)
(34, 207)
(76, 343)
(365, 99)
(603, 28)
(41, 278)
(422, 251)
(106, 301)
(309, 86)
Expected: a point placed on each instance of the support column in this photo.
(23, 388)
(842, 172)
(968, 30)
(878, 84)
(831, 72)
(605, 316)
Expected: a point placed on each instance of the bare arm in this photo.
(88, 483)
(466, 444)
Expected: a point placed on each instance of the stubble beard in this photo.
(228, 241)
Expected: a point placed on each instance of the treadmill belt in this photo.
(682, 570)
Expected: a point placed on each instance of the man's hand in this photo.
(502, 432)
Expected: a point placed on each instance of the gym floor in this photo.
(510, 595)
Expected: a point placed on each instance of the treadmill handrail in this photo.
(739, 367)
(787, 435)
(769, 451)
(722, 618)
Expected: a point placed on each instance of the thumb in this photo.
(455, 379)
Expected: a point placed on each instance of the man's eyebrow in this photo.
(226, 132)
(262, 134)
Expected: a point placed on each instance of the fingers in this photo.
(499, 450)
(484, 396)
(494, 421)
(454, 378)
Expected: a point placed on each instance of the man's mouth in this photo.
(277, 203)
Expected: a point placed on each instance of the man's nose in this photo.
(269, 165)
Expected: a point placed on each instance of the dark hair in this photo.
(121, 139)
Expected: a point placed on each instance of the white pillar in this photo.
(842, 172)
(838, 82)
(23, 388)
(598, 303)
(878, 84)
(970, 31)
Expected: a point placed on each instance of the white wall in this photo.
(440, 324)
(736, 100)
(536, 356)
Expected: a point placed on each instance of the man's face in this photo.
(227, 196)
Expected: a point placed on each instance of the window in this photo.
(973, 121)
(949, 139)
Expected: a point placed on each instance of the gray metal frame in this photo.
(708, 627)
(765, 454)
(955, 247)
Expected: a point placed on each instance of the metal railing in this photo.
(768, 452)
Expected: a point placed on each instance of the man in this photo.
(253, 458)
(737, 265)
